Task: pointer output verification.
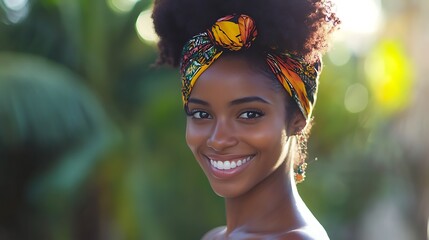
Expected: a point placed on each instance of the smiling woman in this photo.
(238, 138)
(249, 83)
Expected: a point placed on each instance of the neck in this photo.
(268, 207)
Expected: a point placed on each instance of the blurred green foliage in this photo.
(135, 177)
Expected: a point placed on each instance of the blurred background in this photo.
(92, 135)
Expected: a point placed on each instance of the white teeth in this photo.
(227, 165)
(220, 165)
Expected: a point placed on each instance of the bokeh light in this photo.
(389, 73)
(360, 20)
(356, 98)
(145, 28)
(15, 5)
(340, 54)
(15, 10)
(122, 6)
(359, 16)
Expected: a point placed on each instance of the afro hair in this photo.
(298, 26)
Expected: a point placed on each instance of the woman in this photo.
(249, 77)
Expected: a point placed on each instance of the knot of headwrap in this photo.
(235, 33)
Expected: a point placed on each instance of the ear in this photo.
(297, 123)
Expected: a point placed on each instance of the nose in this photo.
(222, 136)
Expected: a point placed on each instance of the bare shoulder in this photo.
(306, 234)
(215, 233)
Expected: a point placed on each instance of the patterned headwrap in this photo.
(237, 32)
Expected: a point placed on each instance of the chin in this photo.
(227, 190)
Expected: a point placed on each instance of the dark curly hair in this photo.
(298, 26)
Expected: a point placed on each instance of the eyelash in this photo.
(256, 112)
(195, 112)
(192, 113)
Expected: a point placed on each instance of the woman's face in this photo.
(237, 128)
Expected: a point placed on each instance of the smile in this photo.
(231, 164)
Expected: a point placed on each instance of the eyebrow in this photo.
(248, 100)
(198, 101)
(233, 102)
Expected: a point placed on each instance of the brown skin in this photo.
(236, 113)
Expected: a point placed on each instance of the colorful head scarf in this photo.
(235, 33)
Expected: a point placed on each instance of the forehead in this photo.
(231, 77)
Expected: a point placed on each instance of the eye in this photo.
(251, 115)
(200, 115)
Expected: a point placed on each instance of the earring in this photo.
(300, 165)
(299, 172)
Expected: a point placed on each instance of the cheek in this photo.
(270, 142)
(267, 136)
(194, 136)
